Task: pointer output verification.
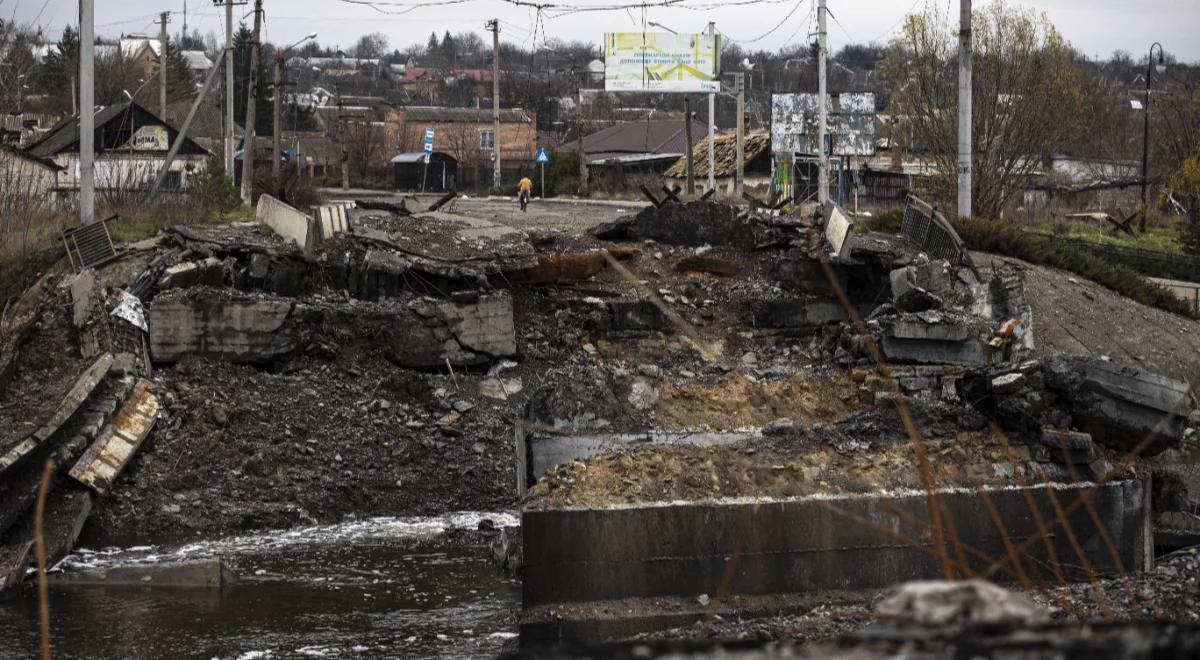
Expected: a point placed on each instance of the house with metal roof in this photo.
(630, 153)
(131, 145)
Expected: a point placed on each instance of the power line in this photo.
(898, 21)
(772, 30)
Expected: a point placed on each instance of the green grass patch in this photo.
(132, 226)
(1159, 239)
(1006, 239)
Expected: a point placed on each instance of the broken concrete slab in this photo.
(839, 231)
(447, 244)
(419, 333)
(83, 296)
(288, 222)
(237, 330)
(934, 340)
(1064, 445)
(201, 574)
(1121, 405)
(208, 272)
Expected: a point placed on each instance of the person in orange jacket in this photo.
(524, 190)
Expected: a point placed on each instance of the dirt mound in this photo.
(739, 402)
(789, 467)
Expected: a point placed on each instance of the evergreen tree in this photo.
(432, 46)
(61, 69)
(242, 40)
(180, 84)
(449, 47)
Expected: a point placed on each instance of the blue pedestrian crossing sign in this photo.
(543, 156)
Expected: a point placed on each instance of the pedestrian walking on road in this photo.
(524, 189)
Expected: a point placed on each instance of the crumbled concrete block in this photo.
(1008, 383)
(83, 296)
(180, 276)
(1121, 405)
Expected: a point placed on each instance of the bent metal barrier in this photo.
(931, 233)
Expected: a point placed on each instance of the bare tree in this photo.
(1026, 96)
(371, 46)
(367, 145)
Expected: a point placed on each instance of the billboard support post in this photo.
(712, 123)
(823, 157)
(740, 85)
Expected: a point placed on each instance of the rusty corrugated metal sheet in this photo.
(118, 441)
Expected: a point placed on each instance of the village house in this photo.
(469, 136)
(28, 180)
(131, 145)
(626, 154)
(756, 163)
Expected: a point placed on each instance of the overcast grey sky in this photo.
(1096, 27)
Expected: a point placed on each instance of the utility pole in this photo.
(229, 149)
(822, 95)
(277, 121)
(251, 110)
(964, 109)
(185, 33)
(739, 83)
(494, 26)
(712, 117)
(87, 112)
(162, 63)
(342, 139)
(1145, 210)
(580, 152)
(687, 133)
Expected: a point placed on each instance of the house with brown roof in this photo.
(756, 159)
(469, 135)
(623, 155)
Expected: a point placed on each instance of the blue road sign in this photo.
(428, 140)
(543, 155)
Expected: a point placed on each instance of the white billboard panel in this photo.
(794, 123)
(661, 62)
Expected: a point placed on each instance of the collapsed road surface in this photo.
(399, 363)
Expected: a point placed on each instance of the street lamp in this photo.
(277, 120)
(1151, 67)
(660, 25)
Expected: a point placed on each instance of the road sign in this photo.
(428, 141)
(543, 155)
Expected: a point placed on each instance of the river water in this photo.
(383, 587)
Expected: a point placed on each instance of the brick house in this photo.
(468, 134)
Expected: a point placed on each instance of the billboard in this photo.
(661, 62)
(794, 126)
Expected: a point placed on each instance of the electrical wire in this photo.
(768, 32)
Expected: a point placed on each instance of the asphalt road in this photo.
(549, 213)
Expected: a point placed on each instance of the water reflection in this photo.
(382, 587)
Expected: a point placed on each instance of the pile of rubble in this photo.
(389, 368)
